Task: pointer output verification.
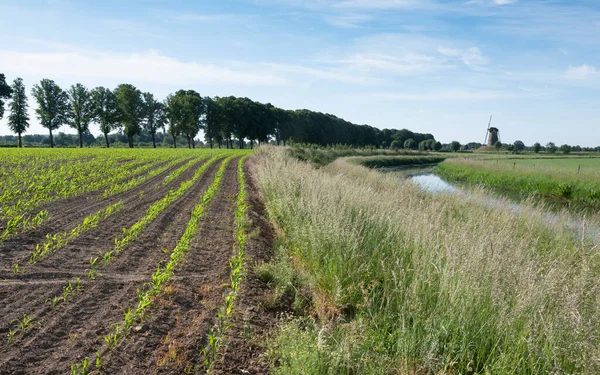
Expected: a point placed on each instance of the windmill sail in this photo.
(487, 132)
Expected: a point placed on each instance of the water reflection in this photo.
(432, 182)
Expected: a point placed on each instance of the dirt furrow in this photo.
(171, 339)
(245, 342)
(67, 332)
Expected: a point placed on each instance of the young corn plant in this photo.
(11, 334)
(237, 273)
(25, 323)
(163, 274)
(59, 240)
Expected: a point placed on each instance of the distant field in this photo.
(572, 162)
(554, 178)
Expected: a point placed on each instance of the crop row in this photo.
(21, 222)
(172, 176)
(160, 277)
(133, 182)
(56, 241)
(237, 266)
(131, 234)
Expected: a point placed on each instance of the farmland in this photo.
(181, 261)
(120, 260)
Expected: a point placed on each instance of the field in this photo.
(387, 279)
(229, 262)
(122, 260)
(571, 182)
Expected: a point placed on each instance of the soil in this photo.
(252, 323)
(172, 337)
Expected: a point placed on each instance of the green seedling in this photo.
(54, 301)
(11, 334)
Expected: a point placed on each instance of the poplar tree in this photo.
(80, 112)
(18, 120)
(52, 105)
(104, 104)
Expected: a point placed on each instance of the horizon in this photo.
(439, 67)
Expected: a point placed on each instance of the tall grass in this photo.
(403, 282)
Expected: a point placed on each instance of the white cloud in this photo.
(471, 57)
(348, 21)
(452, 94)
(149, 66)
(338, 74)
(582, 72)
(378, 4)
(495, 2)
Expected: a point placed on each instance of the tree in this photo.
(154, 116)
(130, 108)
(430, 144)
(437, 146)
(105, 112)
(81, 111)
(551, 147)
(565, 149)
(172, 115)
(510, 147)
(5, 93)
(18, 120)
(52, 105)
(190, 119)
(212, 120)
(454, 146)
(423, 146)
(537, 147)
(519, 146)
(410, 144)
(498, 146)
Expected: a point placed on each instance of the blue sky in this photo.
(436, 66)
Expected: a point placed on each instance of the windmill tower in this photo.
(492, 134)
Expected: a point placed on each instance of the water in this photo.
(433, 183)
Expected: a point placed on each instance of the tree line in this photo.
(226, 121)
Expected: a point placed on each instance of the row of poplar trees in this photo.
(184, 113)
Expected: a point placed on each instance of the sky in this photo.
(431, 66)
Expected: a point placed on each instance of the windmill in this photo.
(492, 135)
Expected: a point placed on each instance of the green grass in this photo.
(404, 282)
(321, 156)
(568, 163)
(396, 161)
(557, 178)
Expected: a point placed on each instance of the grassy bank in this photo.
(321, 156)
(560, 179)
(402, 282)
(395, 161)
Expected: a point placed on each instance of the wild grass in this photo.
(565, 182)
(404, 282)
